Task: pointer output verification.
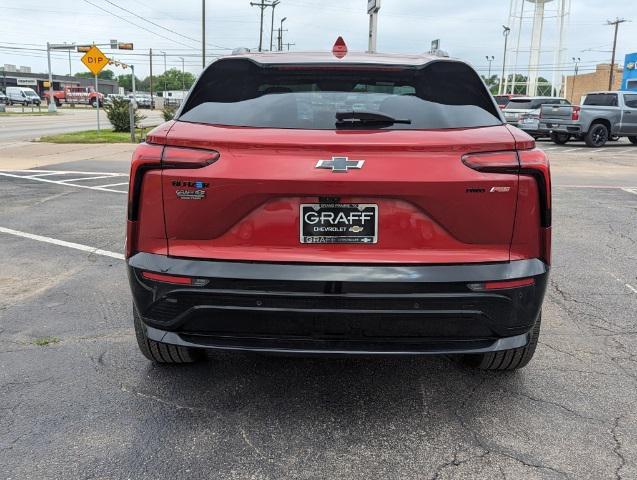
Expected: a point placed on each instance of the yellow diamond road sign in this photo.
(95, 60)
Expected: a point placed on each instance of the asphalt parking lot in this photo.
(80, 401)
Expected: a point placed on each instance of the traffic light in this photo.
(83, 48)
(125, 46)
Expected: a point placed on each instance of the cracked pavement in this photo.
(90, 406)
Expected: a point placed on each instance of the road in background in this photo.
(15, 127)
(88, 405)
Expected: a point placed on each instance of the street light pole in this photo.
(52, 106)
(490, 59)
(183, 79)
(576, 61)
(281, 33)
(165, 85)
(505, 32)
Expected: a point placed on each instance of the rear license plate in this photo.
(339, 223)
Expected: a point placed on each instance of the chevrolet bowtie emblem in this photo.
(340, 164)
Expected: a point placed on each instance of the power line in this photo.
(138, 26)
(161, 26)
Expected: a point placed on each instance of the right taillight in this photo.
(575, 113)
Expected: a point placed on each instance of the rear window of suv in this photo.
(533, 103)
(240, 92)
(601, 99)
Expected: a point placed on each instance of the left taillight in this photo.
(148, 156)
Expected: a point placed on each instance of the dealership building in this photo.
(629, 80)
(12, 76)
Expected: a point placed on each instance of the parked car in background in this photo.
(503, 100)
(76, 95)
(601, 116)
(518, 107)
(3, 98)
(143, 100)
(23, 96)
(108, 100)
(347, 209)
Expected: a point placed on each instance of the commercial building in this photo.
(629, 80)
(12, 76)
(576, 86)
(579, 85)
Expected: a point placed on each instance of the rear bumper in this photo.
(573, 129)
(337, 309)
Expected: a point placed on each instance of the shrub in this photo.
(119, 116)
(169, 112)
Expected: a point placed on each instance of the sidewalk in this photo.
(20, 155)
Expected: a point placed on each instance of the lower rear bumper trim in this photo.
(336, 347)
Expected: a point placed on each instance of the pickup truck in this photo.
(601, 116)
(77, 95)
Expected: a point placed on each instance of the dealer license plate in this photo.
(339, 223)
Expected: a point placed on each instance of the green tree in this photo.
(103, 75)
(172, 80)
(492, 83)
(126, 82)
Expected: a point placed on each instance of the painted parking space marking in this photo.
(630, 190)
(63, 243)
(76, 176)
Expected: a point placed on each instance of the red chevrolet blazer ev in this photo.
(340, 204)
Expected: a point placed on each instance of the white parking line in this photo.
(85, 178)
(13, 174)
(631, 288)
(112, 185)
(62, 243)
(62, 172)
(630, 190)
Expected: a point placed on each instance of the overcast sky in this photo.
(468, 29)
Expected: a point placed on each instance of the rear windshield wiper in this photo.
(355, 119)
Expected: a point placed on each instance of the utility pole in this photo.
(274, 4)
(70, 72)
(262, 5)
(203, 33)
(505, 32)
(152, 103)
(373, 7)
(288, 45)
(616, 22)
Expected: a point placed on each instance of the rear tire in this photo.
(632, 140)
(511, 359)
(560, 138)
(162, 352)
(597, 135)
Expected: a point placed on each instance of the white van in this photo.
(23, 95)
